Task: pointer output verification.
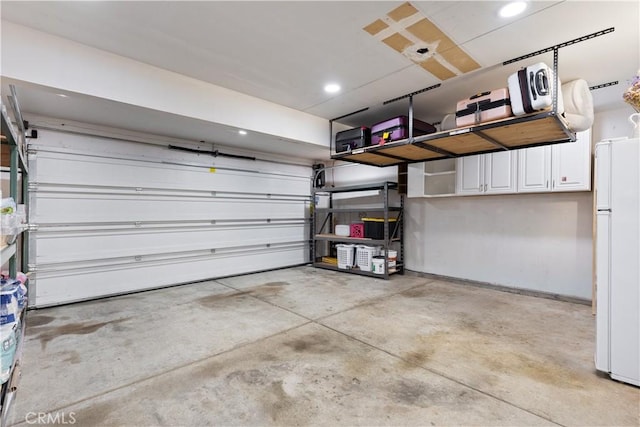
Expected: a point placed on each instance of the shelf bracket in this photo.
(391, 156)
(435, 149)
(426, 89)
(603, 85)
(491, 140)
(558, 46)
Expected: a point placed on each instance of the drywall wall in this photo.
(35, 57)
(539, 242)
(613, 124)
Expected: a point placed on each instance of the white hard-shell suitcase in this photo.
(531, 89)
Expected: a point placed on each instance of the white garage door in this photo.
(114, 217)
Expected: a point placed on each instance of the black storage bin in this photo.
(374, 228)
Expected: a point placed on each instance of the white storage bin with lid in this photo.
(342, 230)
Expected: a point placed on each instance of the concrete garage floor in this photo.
(308, 346)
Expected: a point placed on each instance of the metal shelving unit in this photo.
(322, 227)
(15, 140)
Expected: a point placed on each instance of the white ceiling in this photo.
(285, 51)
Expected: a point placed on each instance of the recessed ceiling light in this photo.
(62, 95)
(332, 88)
(512, 9)
(242, 132)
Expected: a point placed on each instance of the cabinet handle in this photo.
(553, 183)
(547, 184)
(485, 188)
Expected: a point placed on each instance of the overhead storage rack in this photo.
(540, 128)
(507, 134)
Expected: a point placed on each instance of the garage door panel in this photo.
(97, 172)
(52, 288)
(108, 221)
(72, 246)
(78, 208)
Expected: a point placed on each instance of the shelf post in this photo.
(555, 81)
(411, 118)
(25, 235)
(13, 192)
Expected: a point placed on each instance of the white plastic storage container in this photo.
(345, 256)
(364, 255)
(343, 230)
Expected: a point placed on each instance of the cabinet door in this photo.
(534, 169)
(500, 172)
(470, 174)
(571, 164)
(415, 180)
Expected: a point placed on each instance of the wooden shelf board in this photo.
(372, 159)
(411, 152)
(466, 143)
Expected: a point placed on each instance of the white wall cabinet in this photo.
(560, 167)
(487, 173)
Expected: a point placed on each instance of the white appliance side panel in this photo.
(625, 273)
(603, 261)
(603, 175)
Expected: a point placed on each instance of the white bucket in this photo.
(377, 265)
(393, 255)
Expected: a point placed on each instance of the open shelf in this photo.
(507, 134)
(352, 210)
(327, 266)
(341, 239)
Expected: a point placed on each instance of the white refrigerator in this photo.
(618, 259)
